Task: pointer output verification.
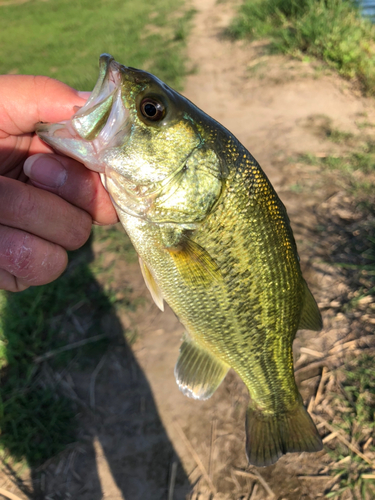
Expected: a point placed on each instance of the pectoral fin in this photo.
(152, 285)
(194, 263)
(311, 318)
(198, 373)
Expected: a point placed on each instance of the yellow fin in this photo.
(152, 285)
(198, 372)
(268, 437)
(311, 318)
(194, 263)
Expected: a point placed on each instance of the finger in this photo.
(43, 214)
(10, 283)
(26, 100)
(27, 260)
(74, 182)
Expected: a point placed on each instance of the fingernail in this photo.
(84, 94)
(45, 170)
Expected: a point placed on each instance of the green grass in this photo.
(361, 161)
(356, 164)
(330, 30)
(37, 420)
(354, 406)
(36, 424)
(352, 241)
(64, 39)
(357, 168)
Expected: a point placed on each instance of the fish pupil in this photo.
(150, 109)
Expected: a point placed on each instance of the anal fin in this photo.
(198, 372)
(311, 318)
(152, 285)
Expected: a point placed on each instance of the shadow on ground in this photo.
(91, 402)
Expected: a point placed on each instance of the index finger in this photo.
(26, 100)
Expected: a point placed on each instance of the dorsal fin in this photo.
(198, 372)
(311, 318)
(152, 285)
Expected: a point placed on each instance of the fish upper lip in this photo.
(72, 136)
(108, 81)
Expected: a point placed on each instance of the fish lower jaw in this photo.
(60, 138)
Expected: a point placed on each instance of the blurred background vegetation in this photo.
(332, 30)
(63, 39)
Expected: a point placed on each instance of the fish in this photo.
(214, 241)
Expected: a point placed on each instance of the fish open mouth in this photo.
(100, 124)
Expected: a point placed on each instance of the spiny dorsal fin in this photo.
(198, 373)
(311, 318)
(152, 285)
(194, 263)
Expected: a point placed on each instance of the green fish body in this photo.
(214, 242)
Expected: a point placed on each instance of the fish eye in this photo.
(152, 109)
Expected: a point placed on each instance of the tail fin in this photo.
(270, 437)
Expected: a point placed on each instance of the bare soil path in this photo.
(274, 106)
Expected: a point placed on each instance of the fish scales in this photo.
(214, 242)
(253, 314)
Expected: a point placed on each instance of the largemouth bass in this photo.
(213, 239)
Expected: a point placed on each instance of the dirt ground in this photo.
(142, 439)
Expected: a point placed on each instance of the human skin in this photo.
(47, 202)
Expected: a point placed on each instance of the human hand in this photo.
(48, 208)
